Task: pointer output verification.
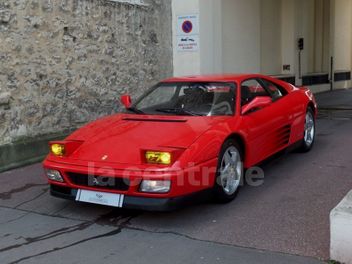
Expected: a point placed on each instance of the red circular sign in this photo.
(187, 26)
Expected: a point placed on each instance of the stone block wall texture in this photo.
(66, 62)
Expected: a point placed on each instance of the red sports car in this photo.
(183, 138)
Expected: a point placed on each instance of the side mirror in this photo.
(258, 102)
(126, 101)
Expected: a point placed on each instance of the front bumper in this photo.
(142, 203)
(186, 185)
(127, 181)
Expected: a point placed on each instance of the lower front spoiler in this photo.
(142, 203)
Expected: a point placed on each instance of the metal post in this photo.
(300, 64)
(332, 75)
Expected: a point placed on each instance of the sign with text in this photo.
(185, 43)
(188, 33)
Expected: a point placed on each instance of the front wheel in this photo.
(309, 132)
(229, 173)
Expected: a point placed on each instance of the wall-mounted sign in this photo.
(188, 33)
(188, 43)
(187, 26)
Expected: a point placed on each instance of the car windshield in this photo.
(188, 99)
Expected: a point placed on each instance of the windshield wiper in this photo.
(180, 111)
(135, 110)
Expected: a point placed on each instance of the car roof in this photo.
(214, 78)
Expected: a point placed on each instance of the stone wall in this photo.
(66, 62)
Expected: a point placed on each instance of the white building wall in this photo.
(343, 38)
(306, 10)
(241, 36)
(271, 17)
(261, 36)
(185, 63)
(288, 35)
(319, 35)
(343, 34)
(322, 36)
(211, 37)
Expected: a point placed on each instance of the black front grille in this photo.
(99, 182)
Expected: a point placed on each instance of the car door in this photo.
(267, 129)
(289, 104)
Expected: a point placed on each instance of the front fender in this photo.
(208, 145)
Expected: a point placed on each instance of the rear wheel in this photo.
(309, 132)
(229, 173)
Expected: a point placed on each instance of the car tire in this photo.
(309, 132)
(229, 173)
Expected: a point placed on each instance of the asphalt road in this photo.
(338, 99)
(286, 220)
(336, 104)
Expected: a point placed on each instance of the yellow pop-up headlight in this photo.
(156, 157)
(58, 149)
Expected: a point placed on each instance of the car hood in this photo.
(121, 138)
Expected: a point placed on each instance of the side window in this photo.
(275, 90)
(251, 89)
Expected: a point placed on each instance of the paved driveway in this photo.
(278, 222)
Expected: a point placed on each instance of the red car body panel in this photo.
(122, 138)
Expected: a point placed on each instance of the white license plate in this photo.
(102, 198)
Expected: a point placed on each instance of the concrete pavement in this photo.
(273, 223)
